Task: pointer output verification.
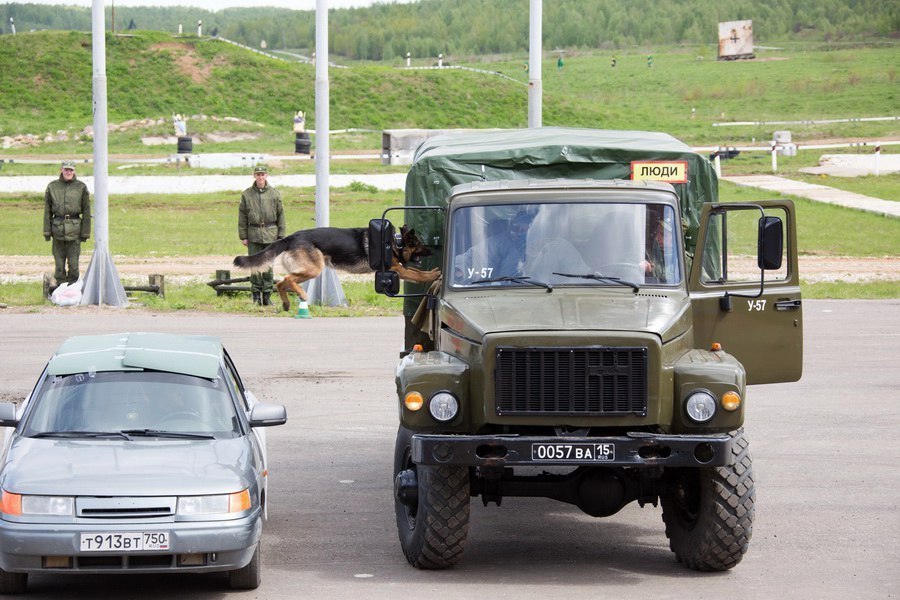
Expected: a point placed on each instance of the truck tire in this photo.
(709, 512)
(433, 532)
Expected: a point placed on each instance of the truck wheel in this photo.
(433, 521)
(13, 583)
(708, 512)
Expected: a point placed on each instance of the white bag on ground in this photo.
(67, 294)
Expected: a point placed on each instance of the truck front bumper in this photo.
(634, 449)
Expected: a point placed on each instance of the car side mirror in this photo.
(267, 415)
(381, 236)
(770, 244)
(8, 415)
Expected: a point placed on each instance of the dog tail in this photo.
(262, 260)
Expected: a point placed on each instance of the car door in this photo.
(257, 435)
(756, 315)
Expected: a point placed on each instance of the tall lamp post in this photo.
(326, 288)
(535, 89)
(101, 280)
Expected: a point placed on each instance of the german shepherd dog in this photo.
(304, 254)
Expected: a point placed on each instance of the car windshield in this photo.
(143, 403)
(579, 243)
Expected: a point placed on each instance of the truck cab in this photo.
(578, 346)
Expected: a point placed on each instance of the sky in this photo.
(219, 4)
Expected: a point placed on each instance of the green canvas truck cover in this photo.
(444, 161)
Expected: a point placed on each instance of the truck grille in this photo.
(595, 381)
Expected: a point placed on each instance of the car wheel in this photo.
(432, 522)
(247, 577)
(13, 583)
(709, 512)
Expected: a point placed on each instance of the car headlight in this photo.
(443, 406)
(700, 406)
(214, 505)
(45, 506)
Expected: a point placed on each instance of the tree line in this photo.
(387, 31)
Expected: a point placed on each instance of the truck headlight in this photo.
(700, 406)
(443, 406)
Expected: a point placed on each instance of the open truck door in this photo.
(745, 287)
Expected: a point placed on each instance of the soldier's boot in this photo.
(256, 298)
(267, 298)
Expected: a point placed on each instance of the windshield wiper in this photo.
(167, 434)
(599, 277)
(81, 434)
(517, 279)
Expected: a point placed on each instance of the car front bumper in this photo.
(194, 547)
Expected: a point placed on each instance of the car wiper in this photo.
(81, 434)
(517, 279)
(167, 434)
(599, 277)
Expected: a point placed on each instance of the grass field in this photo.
(684, 93)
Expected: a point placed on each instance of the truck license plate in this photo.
(129, 541)
(573, 452)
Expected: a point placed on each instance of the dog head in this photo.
(410, 249)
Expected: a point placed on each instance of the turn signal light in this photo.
(731, 400)
(414, 401)
(239, 501)
(716, 347)
(11, 504)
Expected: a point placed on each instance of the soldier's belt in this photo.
(263, 224)
(67, 217)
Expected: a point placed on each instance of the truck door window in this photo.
(730, 250)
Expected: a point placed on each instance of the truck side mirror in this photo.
(381, 236)
(770, 244)
(387, 283)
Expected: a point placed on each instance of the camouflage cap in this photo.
(68, 164)
(260, 169)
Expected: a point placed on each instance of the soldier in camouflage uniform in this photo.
(260, 222)
(67, 219)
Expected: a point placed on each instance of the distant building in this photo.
(736, 40)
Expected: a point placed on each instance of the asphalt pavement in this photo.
(825, 452)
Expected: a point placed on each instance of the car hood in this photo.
(152, 467)
(667, 315)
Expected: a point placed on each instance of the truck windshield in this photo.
(579, 243)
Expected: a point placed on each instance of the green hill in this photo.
(46, 78)
(47, 87)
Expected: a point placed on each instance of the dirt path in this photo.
(813, 269)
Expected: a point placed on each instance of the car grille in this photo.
(120, 507)
(595, 381)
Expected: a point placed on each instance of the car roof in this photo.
(197, 355)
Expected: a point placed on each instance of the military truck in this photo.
(597, 321)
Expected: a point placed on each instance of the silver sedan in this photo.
(136, 452)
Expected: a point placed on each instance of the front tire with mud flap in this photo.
(709, 512)
(433, 529)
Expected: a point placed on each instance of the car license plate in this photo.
(129, 541)
(573, 452)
